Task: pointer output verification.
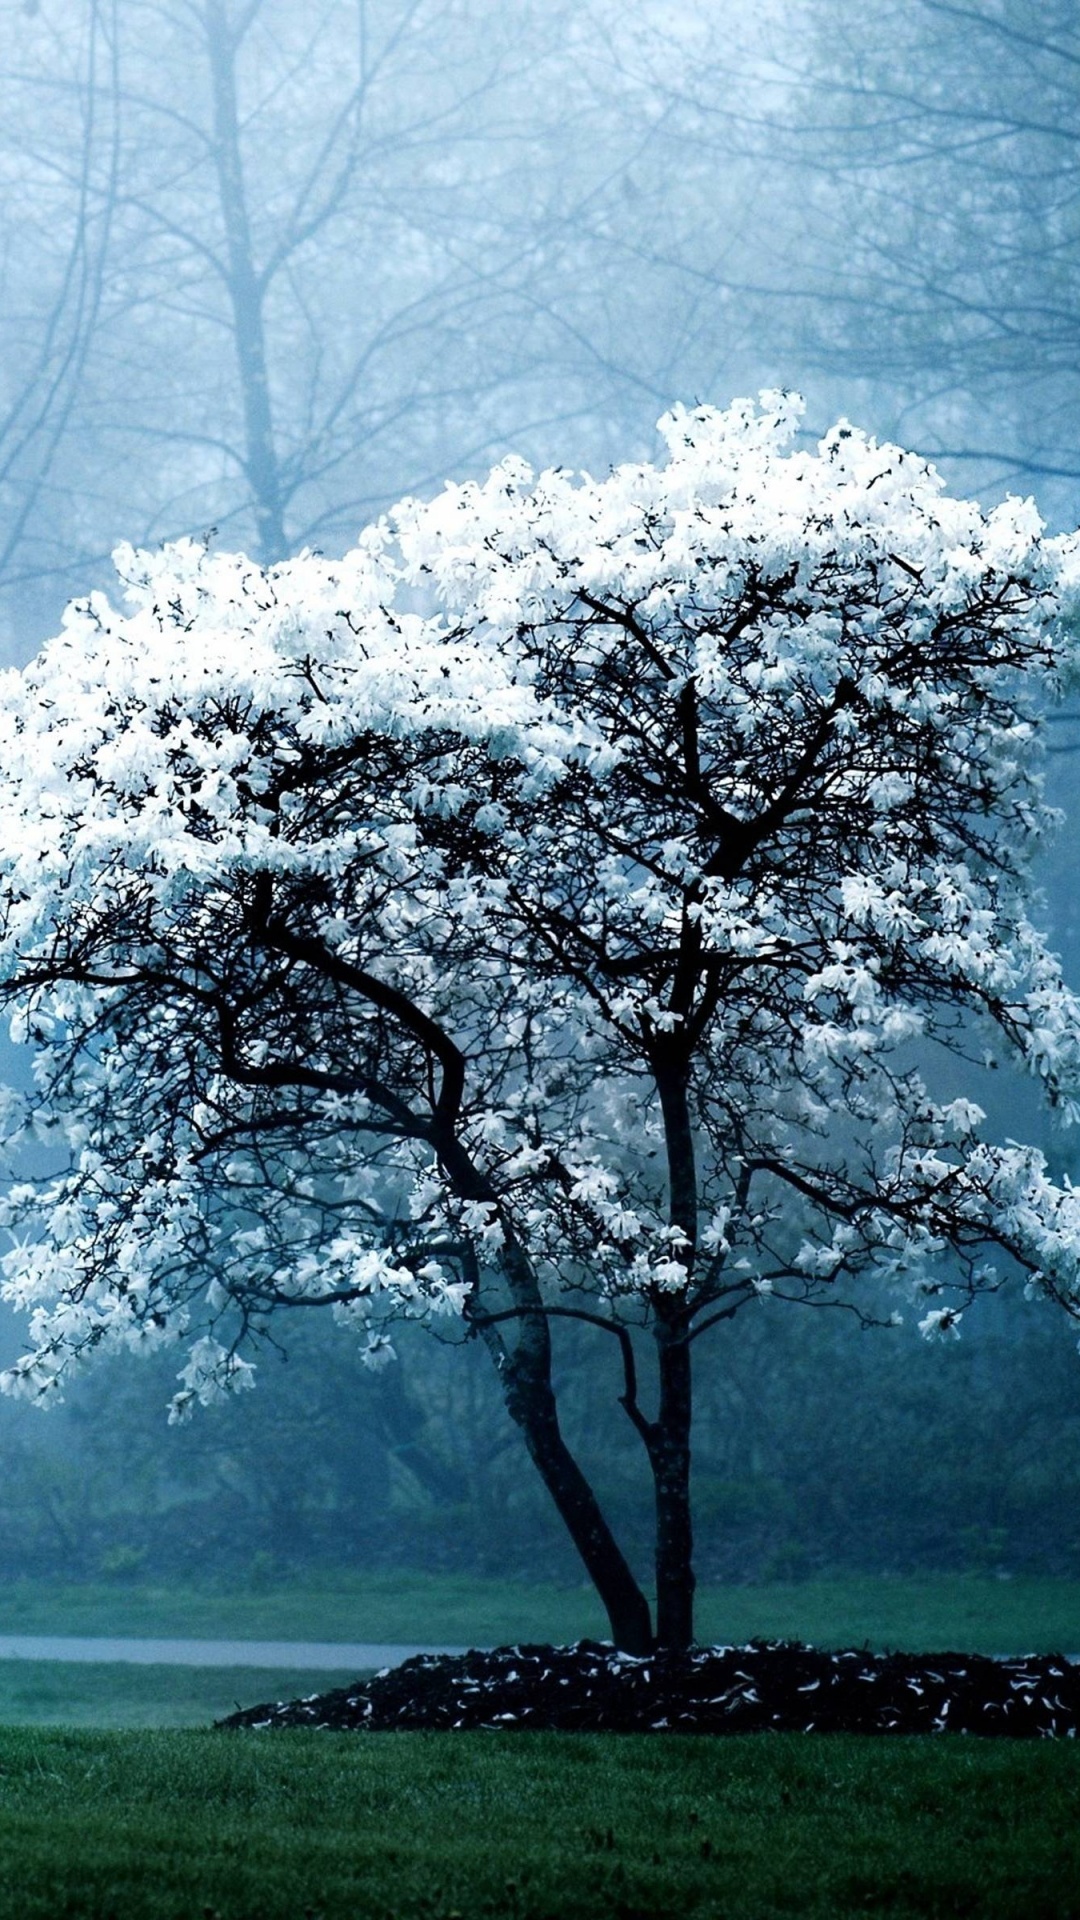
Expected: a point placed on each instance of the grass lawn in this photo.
(179, 1825)
(53, 1693)
(961, 1611)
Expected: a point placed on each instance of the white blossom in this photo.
(562, 895)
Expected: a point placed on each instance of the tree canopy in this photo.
(589, 898)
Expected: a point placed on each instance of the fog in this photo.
(269, 266)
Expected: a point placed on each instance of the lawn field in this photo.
(925, 1615)
(302, 1826)
(58, 1693)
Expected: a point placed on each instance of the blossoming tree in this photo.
(580, 901)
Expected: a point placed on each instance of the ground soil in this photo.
(768, 1685)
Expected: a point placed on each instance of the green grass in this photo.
(978, 1615)
(53, 1693)
(175, 1826)
(920, 1616)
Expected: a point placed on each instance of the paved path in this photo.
(321, 1656)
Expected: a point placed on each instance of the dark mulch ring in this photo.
(769, 1685)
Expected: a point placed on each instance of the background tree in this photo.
(60, 156)
(337, 251)
(329, 217)
(316, 259)
(574, 952)
(938, 150)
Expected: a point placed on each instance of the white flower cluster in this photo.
(573, 878)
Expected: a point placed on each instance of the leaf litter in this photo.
(767, 1685)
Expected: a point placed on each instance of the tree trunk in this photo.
(669, 1454)
(668, 1437)
(525, 1374)
(245, 293)
(530, 1401)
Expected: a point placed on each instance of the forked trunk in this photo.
(524, 1371)
(530, 1400)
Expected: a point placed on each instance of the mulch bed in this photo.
(773, 1685)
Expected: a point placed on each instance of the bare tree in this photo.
(338, 251)
(352, 244)
(939, 144)
(59, 168)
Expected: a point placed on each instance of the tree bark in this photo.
(668, 1436)
(245, 293)
(525, 1375)
(669, 1453)
(530, 1401)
